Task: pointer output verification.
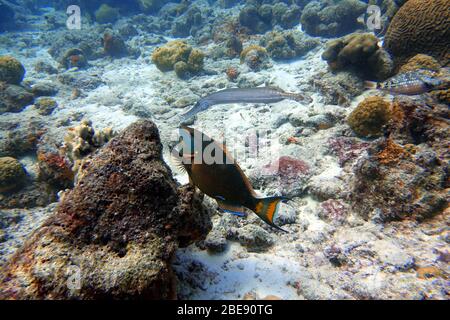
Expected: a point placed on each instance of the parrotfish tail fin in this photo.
(370, 85)
(267, 208)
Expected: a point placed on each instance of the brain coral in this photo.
(420, 26)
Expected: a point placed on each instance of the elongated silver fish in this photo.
(242, 95)
(408, 83)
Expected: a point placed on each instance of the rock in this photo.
(188, 22)
(17, 139)
(106, 14)
(12, 174)
(215, 242)
(74, 58)
(80, 80)
(288, 44)
(114, 46)
(253, 237)
(14, 98)
(11, 70)
(115, 234)
(361, 54)
(391, 254)
(44, 88)
(255, 57)
(394, 182)
(45, 105)
(332, 19)
(337, 89)
(45, 67)
(286, 175)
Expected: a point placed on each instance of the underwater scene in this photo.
(224, 149)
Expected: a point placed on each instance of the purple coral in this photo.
(287, 168)
(333, 210)
(346, 149)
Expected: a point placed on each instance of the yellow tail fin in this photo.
(267, 208)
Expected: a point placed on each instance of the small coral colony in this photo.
(354, 93)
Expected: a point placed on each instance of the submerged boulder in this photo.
(332, 18)
(115, 234)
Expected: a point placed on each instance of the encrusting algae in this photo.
(11, 70)
(179, 56)
(369, 117)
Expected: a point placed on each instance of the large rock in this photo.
(115, 234)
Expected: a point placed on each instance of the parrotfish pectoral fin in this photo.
(267, 208)
(231, 208)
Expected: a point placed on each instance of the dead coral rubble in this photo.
(115, 234)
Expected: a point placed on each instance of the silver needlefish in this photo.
(408, 83)
(243, 95)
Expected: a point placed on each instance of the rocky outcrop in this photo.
(114, 235)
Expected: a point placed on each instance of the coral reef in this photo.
(11, 70)
(287, 175)
(12, 174)
(179, 56)
(14, 98)
(255, 57)
(339, 89)
(74, 58)
(45, 105)
(360, 53)
(106, 14)
(391, 183)
(45, 67)
(232, 73)
(44, 88)
(406, 174)
(332, 18)
(346, 148)
(18, 139)
(420, 26)
(420, 62)
(117, 230)
(113, 45)
(55, 170)
(150, 6)
(82, 140)
(258, 18)
(369, 117)
(188, 22)
(288, 44)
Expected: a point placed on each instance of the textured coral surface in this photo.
(119, 227)
(420, 26)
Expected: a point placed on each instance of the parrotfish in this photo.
(408, 83)
(243, 95)
(215, 172)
